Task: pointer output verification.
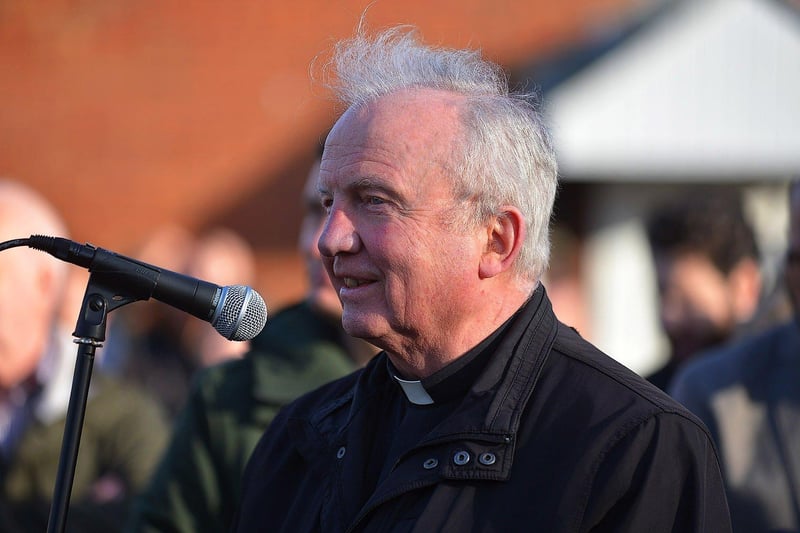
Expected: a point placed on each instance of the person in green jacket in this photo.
(196, 486)
(124, 431)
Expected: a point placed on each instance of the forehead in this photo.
(412, 128)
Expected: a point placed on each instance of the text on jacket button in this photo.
(461, 458)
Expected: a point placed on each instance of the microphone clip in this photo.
(101, 297)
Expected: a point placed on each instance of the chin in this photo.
(361, 326)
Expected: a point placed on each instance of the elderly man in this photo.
(483, 412)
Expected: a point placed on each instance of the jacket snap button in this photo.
(430, 464)
(340, 453)
(487, 458)
(461, 458)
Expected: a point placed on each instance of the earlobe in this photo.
(504, 237)
(45, 281)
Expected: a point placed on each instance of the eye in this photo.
(374, 200)
(326, 202)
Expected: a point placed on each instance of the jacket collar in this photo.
(496, 400)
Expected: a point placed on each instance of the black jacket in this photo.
(553, 436)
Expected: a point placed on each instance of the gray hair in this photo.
(506, 157)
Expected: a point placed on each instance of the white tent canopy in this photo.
(709, 90)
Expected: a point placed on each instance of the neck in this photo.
(419, 358)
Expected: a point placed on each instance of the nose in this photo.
(338, 234)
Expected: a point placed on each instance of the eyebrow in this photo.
(368, 184)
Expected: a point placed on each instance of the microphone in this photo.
(237, 312)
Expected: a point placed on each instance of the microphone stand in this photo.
(99, 299)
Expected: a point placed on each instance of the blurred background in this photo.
(139, 119)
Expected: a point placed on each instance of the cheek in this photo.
(17, 362)
(421, 261)
(442, 269)
(695, 291)
(19, 354)
(709, 299)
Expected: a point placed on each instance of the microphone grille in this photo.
(241, 313)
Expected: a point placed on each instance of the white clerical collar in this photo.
(414, 391)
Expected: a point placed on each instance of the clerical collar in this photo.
(414, 390)
(454, 380)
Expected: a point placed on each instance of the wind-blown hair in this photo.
(504, 156)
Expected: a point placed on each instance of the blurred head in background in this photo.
(32, 283)
(321, 294)
(707, 269)
(223, 257)
(169, 246)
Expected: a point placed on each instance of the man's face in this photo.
(696, 306)
(405, 277)
(321, 294)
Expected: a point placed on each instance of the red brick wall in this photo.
(129, 115)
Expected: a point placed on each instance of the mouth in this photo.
(352, 283)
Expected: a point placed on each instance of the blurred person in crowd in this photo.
(748, 394)
(482, 412)
(171, 345)
(196, 488)
(564, 280)
(709, 283)
(123, 433)
(223, 257)
(144, 341)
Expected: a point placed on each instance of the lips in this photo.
(350, 278)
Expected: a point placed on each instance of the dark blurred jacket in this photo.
(123, 436)
(197, 485)
(748, 394)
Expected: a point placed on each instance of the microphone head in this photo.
(241, 313)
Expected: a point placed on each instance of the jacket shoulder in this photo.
(742, 360)
(608, 380)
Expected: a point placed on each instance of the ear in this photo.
(51, 291)
(505, 234)
(744, 281)
(45, 280)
